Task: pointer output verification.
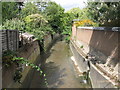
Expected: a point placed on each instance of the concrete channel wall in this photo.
(104, 40)
(30, 52)
(99, 47)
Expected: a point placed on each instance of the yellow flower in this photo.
(84, 22)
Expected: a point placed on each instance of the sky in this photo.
(69, 4)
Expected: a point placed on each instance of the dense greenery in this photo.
(36, 19)
(105, 13)
(35, 24)
(40, 18)
(102, 13)
(7, 8)
(28, 9)
(78, 13)
(55, 16)
(14, 24)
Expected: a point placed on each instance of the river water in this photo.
(59, 69)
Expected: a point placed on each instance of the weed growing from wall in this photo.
(9, 58)
(21, 60)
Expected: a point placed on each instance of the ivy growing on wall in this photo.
(21, 60)
(10, 58)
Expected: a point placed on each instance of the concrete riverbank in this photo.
(59, 69)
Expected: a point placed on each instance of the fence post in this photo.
(7, 40)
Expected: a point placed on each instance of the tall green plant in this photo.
(37, 25)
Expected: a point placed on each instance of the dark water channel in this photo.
(59, 70)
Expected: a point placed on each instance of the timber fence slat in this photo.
(10, 40)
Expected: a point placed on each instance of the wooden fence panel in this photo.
(10, 40)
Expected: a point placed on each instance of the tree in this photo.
(75, 11)
(9, 10)
(78, 13)
(35, 20)
(37, 25)
(54, 13)
(106, 13)
(28, 9)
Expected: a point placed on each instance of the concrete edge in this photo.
(101, 73)
(101, 28)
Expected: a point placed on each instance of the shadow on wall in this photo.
(106, 42)
(40, 62)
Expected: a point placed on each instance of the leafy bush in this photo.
(37, 25)
(14, 24)
(35, 20)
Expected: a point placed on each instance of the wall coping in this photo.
(101, 28)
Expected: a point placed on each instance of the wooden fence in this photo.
(10, 40)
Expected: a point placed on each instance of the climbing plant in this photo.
(21, 60)
(10, 58)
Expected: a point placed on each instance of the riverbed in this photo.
(59, 69)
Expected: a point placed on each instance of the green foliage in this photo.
(35, 20)
(54, 13)
(14, 24)
(67, 32)
(39, 18)
(29, 9)
(0, 13)
(21, 60)
(37, 25)
(106, 13)
(59, 21)
(81, 46)
(18, 75)
(9, 10)
(10, 57)
(78, 13)
(6, 58)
